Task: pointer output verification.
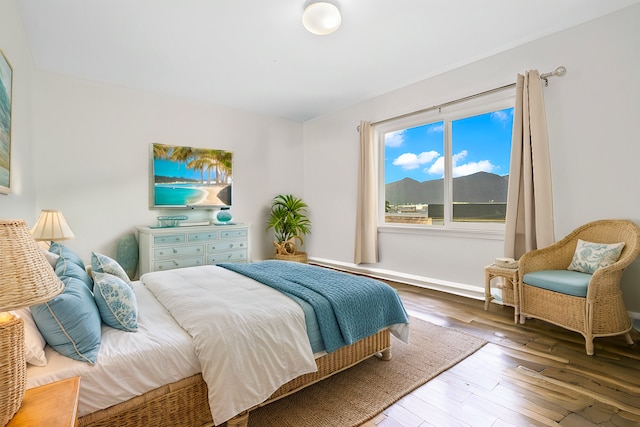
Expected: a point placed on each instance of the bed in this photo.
(159, 374)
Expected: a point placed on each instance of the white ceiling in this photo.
(255, 55)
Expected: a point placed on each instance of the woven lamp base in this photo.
(297, 257)
(13, 368)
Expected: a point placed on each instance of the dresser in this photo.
(179, 247)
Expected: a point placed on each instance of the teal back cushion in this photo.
(70, 323)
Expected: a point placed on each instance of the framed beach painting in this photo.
(6, 77)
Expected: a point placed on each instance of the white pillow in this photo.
(589, 257)
(51, 257)
(33, 340)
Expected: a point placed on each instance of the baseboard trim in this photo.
(454, 288)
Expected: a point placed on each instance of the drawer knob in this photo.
(175, 251)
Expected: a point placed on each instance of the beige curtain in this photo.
(529, 222)
(366, 248)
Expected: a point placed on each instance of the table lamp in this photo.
(51, 226)
(26, 278)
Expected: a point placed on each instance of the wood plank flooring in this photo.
(535, 374)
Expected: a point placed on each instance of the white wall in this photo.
(592, 114)
(20, 204)
(83, 148)
(92, 157)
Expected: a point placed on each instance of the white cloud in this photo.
(473, 167)
(437, 168)
(394, 139)
(460, 169)
(502, 116)
(409, 161)
(434, 129)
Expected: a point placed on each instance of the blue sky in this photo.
(480, 143)
(169, 168)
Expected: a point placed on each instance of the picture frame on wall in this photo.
(6, 80)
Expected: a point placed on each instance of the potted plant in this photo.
(289, 221)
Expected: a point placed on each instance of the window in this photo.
(448, 168)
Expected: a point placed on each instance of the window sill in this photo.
(442, 231)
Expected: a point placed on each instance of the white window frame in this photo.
(479, 105)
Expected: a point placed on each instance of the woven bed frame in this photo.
(185, 402)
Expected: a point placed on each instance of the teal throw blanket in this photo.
(348, 307)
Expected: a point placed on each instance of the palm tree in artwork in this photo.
(224, 165)
(183, 154)
(161, 151)
(199, 163)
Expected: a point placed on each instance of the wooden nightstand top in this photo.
(51, 405)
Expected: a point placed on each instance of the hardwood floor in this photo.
(535, 374)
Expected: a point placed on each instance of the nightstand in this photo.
(510, 287)
(51, 405)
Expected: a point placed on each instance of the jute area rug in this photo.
(358, 394)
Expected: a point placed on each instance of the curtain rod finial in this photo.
(560, 71)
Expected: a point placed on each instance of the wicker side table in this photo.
(509, 286)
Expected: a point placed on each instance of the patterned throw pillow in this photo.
(589, 257)
(116, 302)
(103, 264)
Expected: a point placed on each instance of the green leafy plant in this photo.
(289, 221)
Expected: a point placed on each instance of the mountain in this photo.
(478, 187)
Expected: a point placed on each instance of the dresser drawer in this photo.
(170, 264)
(201, 237)
(221, 246)
(233, 234)
(236, 256)
(166, 252)
(169, 239)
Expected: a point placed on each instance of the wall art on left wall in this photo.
(6, 77)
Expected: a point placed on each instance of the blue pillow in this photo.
(103, 264)
(116, 302)
(70, 323)
(69, 264)
(63, 251)
(66, 268)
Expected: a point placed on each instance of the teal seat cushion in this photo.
(564, 281)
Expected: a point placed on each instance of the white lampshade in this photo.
(51, 226)
(321, 17)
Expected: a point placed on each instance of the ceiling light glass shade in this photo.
(51, 226)
(321, 17)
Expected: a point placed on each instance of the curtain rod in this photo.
(559, 71)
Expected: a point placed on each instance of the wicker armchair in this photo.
(602, 312)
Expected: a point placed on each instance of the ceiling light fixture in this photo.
(321, 17)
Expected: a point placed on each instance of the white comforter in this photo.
(250, 339)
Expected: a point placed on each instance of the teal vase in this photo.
(127, 254)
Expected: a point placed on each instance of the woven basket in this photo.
(297, 257)
(13, 368)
